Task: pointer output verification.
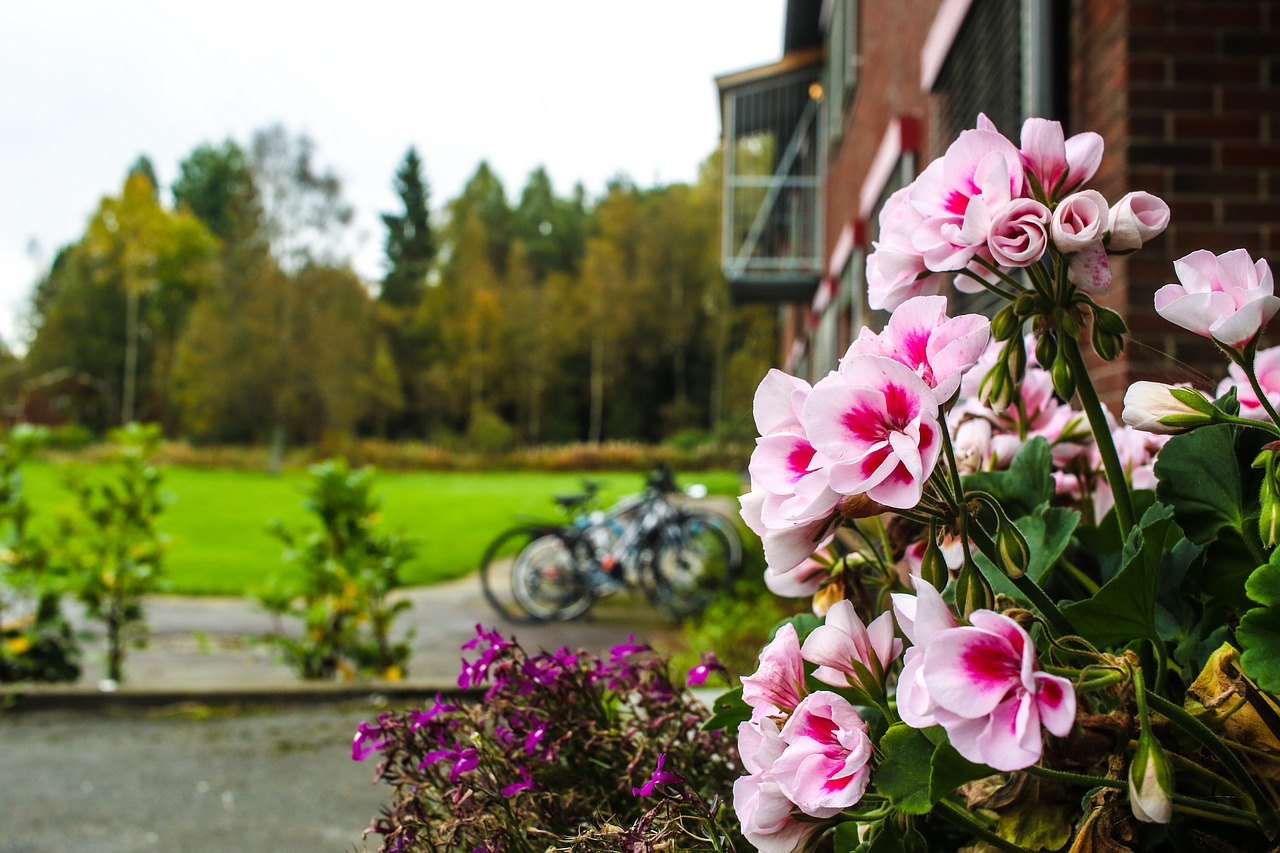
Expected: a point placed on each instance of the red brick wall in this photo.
(891, 35)
(1202, 112)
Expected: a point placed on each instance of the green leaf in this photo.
(804, 623)
(1048, 535)
(1125, 608)
(949, 770)
(1259, 633)
(1199, 476)
(1034, 824)
(903, 773)
(727, 711)
(1263, 585)
(1025, 486)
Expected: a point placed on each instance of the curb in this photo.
(31, 698)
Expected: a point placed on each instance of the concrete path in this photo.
(187, 755)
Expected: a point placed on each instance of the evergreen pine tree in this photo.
(411, 243)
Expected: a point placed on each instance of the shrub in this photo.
(348, 571)
(565, 751)
(110, 548)
(36, 642)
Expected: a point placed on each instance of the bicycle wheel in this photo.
(496, 570)
(693, 560)
(547, 581)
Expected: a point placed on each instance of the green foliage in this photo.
(36, 642)
(110, 548)
(347, 572)
(411, 242)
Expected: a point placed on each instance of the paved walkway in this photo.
(213, 745)
(212, 647)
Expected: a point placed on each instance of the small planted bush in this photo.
(36, 642)
(564, 751)
(110, 548)
(347, 571)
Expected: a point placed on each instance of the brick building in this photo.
(868, 92)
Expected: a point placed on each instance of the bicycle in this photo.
(680, 557)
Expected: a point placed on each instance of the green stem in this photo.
(1090, 585)
(1038, 598)
(992, 286)
(1245, 361)
(1201, 733)
(1214, 811)
(1102, 681)
(962, 819)
(1101, 434)
(1002, 275)
(1082, 779)
(1197, 769)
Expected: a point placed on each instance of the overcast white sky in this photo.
(589, 88)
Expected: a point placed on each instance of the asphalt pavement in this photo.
(212, 744)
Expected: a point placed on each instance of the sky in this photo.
(588, 88)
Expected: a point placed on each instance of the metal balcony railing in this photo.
(772, 230)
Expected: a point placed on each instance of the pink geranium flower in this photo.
(989, 694)
(958, 194)
(1135, 219)
(1019, 233)
(800, 582)
(877, 421)
(786, 544)
(1053, 159)
(777, 685)
(940, 349)
(824, 767)
(784, 463)
(1079, 221)
(766, 816)
(848, 653)
(1267, 367)
(1226, 297)
(920, 617)
(895, 268)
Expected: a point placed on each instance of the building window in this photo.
(841, 71)
(981, 74)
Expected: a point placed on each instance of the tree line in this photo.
(227, 312)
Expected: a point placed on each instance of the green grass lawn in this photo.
(217, 520)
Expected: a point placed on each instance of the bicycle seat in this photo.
(571, 501)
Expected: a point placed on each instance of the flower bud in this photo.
(972, 591)
(1109, 321)
(1269, 499)
(1005, 324)
(996, 391)
(1064, 382)
(1046, 349)
(933, 566)
(1150, 782)
(1165, 410)
(1015, 358)
(1025, 305)
(1011, 546)
(1108, 346)
(1069, 325)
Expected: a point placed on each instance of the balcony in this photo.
(771, 222)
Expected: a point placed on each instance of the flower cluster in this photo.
(1015, 587)
(557, 743)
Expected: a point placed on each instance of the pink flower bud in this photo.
(1134, 220)
(1018, 233)
(1078, 221)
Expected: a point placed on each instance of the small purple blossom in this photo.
(368, 740)
(659, 777)
(699, 674)
(533, 740)
(421, 718)
(526, 783)
(622, 650)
